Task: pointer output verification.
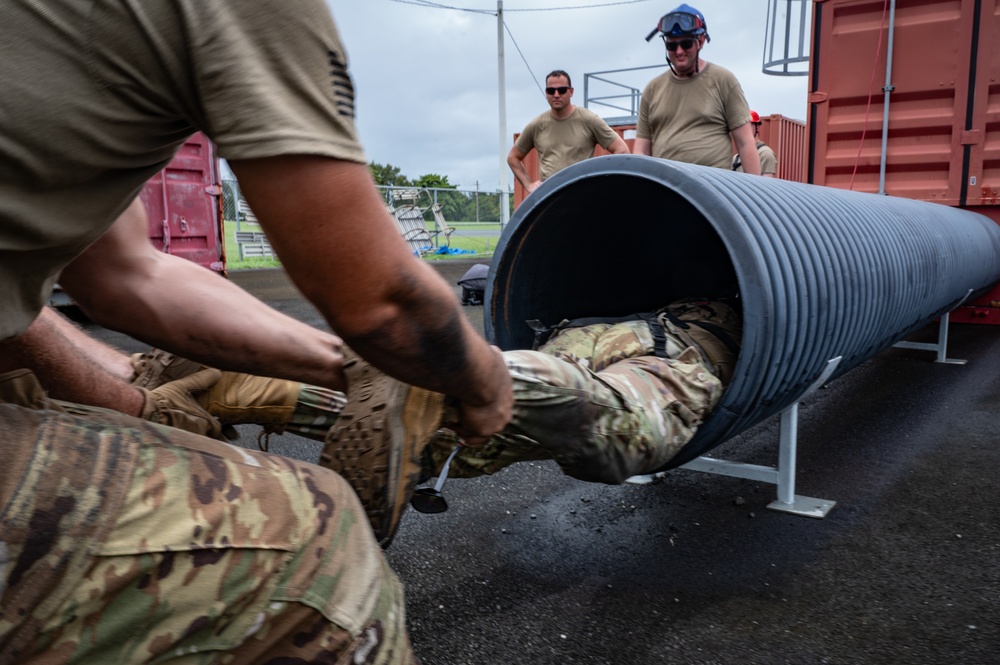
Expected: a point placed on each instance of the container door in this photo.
(929, 106)
(982, 140)
(184, 205)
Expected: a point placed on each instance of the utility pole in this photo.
(504, 199)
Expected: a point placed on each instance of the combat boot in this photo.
(378, 441)
(157, 367)
(244, 398)
(236, 399)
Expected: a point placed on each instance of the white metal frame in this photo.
(940, 347)
(782, 475)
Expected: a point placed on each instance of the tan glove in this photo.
(175, 404)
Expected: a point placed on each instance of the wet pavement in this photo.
(530, 566)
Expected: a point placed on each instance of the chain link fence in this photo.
(231, 201)
(463, 206)
(474, 215)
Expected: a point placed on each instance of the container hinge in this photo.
(818, 97)
(213, 190)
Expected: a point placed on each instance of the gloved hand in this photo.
(174, 404)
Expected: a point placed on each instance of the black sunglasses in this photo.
(684, 44)
(562, 90)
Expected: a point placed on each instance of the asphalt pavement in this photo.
(530, 566)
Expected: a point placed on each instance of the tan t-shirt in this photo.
(561, 142)
(768, 160)
(690, 120)
(97, 97)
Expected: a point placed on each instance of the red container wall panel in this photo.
(183, 203)
(787, 138)
(985, 308)
(986, 149)
(943, 130)
(943, 138)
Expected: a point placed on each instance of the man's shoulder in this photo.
(537, 124)
(539, 119)
(716, 71)
(660, 79)
(586, 115)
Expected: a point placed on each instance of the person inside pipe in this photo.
(696, 111)
(606, 399)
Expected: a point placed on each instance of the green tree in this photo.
(454, 205)
(433, 181)
(388, 175)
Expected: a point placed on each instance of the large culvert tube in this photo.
(820, 272)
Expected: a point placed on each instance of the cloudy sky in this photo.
(426, 71)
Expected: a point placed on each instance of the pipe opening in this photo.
(582, 253)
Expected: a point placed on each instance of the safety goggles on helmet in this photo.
(680, 24)
(677, 24)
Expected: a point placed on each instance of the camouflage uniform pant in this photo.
(594, 400)
(122, 541)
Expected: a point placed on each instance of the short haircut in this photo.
(559, 72)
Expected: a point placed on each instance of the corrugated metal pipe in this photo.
(819, 272)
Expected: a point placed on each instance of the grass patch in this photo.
(233, 261)
(465, 236)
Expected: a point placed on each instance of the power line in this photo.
(523, 59)
(556, 9)
(437, 5)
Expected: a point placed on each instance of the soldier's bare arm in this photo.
(642, 147)
(125, 284)
(746, 146)
(327, 222)
(619, 147)
(515, 160)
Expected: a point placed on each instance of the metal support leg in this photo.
(782, 475)
(788, 501)
(940, 347)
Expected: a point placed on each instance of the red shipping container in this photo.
(184, 205)
(787, 138)
(942, 138)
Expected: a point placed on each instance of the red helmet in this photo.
(754, 117)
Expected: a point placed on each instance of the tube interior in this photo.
(604, 246)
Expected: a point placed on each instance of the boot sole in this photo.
(375, 444)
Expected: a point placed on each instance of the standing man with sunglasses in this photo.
(563, 135)
(696, 111)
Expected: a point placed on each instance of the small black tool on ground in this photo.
(430, 499)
